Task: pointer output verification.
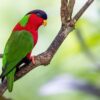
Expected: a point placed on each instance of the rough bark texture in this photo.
(67, 26)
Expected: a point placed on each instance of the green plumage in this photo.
(24, 20)
(18, 46)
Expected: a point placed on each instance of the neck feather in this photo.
(34, 22)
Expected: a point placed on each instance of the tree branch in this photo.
(46, 57)
(83, 9)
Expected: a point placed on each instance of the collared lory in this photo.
(20, 44)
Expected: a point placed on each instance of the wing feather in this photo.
(18, 46)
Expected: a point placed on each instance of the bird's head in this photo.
(38, 17)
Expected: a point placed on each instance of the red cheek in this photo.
(37, 20)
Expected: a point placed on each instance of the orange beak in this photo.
(44, 22)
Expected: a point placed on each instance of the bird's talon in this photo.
(33, 60)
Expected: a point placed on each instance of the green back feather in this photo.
(10, 80)
(18, 46)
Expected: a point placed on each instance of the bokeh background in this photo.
(74, 72)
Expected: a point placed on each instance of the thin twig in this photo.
(71, 7)
(82, 10)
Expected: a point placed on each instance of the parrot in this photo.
(20, 44)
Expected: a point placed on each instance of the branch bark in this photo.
(46, 57)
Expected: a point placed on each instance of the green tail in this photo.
(10, 80)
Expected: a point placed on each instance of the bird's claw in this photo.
(33, 60)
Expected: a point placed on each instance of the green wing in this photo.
(18, 46)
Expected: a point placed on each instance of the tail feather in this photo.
(10, 80)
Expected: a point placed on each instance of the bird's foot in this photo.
(33, 60)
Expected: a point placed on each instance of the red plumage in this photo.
(32, 26)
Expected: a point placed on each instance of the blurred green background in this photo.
(74, 72)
